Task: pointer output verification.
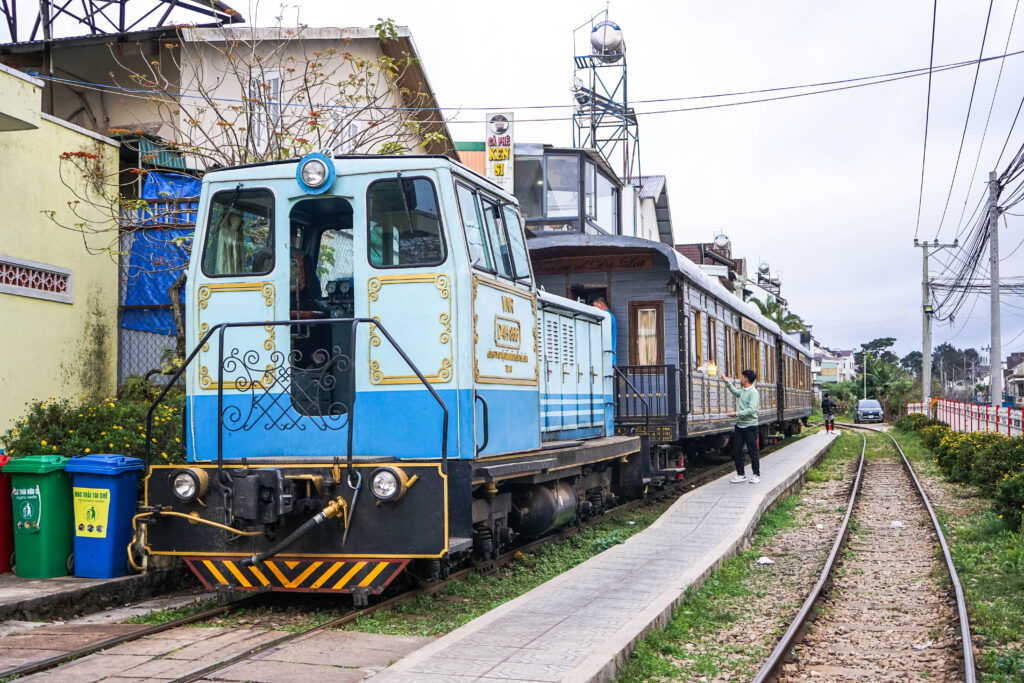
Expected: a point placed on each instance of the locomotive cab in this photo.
(375, 380)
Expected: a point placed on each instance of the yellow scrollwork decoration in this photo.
(203, 329)
(376, 376)
(446, 336)
(441, 282)
(269, 343)
(268, 294)
(445, 373)
(204, 296)
(372, 288)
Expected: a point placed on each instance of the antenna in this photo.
(602, 118)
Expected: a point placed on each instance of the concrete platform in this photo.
(583, 625)
(68, 596)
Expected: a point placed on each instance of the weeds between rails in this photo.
(773, 666)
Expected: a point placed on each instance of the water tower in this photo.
(602, 118)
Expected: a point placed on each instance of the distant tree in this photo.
(912, 363)
(878, 349)
(773, 310)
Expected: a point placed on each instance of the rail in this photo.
(279, 376)
(785, 645)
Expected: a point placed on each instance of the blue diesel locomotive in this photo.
(376, 382)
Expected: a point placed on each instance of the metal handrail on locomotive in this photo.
(373, 382)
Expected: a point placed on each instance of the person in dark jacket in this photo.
(828, 409)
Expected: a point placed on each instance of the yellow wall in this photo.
(51, 348)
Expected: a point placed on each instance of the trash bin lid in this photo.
(103, 463)
(35, 464)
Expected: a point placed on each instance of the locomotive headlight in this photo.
(189, 483)
(314, 173)
(389, 483)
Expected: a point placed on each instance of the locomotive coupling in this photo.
(332, 509)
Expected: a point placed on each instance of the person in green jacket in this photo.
(748, 402)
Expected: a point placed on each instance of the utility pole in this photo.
(926, 318)
(996, 378)
(865, 374)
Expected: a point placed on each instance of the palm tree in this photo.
(773, 310)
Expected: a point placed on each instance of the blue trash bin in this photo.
(104, 491)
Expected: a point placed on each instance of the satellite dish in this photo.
(763, 268)
(606, 41)
(721, 241)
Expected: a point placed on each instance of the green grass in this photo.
(170, 614)
(463, 601)
(990, 561)
(708, 610)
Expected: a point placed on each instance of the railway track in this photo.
(672, 491)
(488, 567)
(874, 616)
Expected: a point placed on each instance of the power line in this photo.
(967, 119)
(850, 84)
(927, 114)
(988, 118)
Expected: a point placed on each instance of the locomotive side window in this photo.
(473, 225)
(514, 225)
(499, 243)
(404, 224)
(240, 234)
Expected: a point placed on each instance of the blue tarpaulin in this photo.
(157, 255)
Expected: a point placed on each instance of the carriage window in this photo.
(404, 224)
(699, 360)
(646, 345)
(476, 237)
(514, 226)
(712, 341)
(499, 243)
(240, 236)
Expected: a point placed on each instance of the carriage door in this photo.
(235, 281)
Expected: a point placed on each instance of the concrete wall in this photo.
(52, 343)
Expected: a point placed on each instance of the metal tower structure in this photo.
(602, 118)
(103, 17)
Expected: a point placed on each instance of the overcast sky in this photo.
(823, 188)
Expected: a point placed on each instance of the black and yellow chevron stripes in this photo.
(307, 575)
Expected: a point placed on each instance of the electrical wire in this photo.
(967, 119)
(991, 106)
(851, 84)
(927, 115)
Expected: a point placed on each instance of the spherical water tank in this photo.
(763, 268)
(606, 41)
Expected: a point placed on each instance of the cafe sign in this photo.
(499, 150)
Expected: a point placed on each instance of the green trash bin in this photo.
(43, 518)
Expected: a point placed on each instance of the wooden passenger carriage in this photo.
(672, 321)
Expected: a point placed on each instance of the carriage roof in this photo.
(577, 243)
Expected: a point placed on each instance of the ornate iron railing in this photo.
(311, 389)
